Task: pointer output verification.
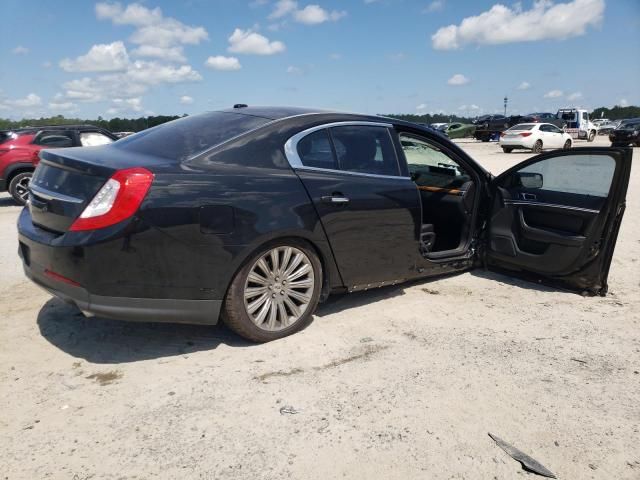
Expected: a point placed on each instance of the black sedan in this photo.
(254, 215)
(627, 133)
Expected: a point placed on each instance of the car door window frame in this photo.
(293, 157)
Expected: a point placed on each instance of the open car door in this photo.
(555, 217)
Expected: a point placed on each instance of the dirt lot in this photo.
(397, 383)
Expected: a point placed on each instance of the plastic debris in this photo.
(528, 463)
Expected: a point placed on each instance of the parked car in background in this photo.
(535, 137)
(543, 117)
(628, 133)
(19, 150)
(256, 214)
(459, 130)
(605, 128)
(489, 126)
(123, 134)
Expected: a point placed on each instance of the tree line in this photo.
(137, 124)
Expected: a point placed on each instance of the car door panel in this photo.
(374, 233)
(565, 232)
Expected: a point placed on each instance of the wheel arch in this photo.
(16, 169)
(331, 278)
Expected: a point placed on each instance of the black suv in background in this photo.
(488, 125)
(628, 132)
(543, 117)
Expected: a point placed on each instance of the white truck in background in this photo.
(577, 124)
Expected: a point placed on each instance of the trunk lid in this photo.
(66, 180)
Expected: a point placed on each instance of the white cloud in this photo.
(62, 106)
(31, 100)
(124, 105)
(152, 27)
(435, 6)
(110, 57)
(221, 62)
(574, 96)
(554, 94)
(47, 64)
(294, 70)
(524, 86)
(252, 43)
(458, 79)
(283, 8)
(501, 24)
(315, 14)
(20, 50)
(309, 15)
(623, 102)
(186, 100)
(335, 56)
(135, 81)
(169, 54)
(421, 107)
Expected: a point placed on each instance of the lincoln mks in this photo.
(253, 215)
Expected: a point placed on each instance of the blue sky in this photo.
(83, 58)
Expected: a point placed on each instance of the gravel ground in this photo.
(397, 383)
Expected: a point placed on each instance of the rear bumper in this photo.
(169, 310)
(70, 263)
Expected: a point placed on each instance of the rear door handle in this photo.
(335, 199)
(528, 196)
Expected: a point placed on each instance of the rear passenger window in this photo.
(364, 149)
(54, 139)
(314, 151)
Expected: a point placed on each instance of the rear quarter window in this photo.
(187, 137)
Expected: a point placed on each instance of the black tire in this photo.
(592, 135)
(507, 149)
(18, 187)
(235, 314)
(567, 145)
(537, 147)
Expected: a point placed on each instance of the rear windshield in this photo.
(630, 125)
(523, 126)
(189, 136)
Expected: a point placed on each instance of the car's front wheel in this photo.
(567, 145)
(275, 293)
(592, 136)
(507, 149)
(19, 187)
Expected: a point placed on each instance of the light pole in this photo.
(506, 100)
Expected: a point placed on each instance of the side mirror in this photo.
(530, 180)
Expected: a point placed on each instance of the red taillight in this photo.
(525, 134)
(60, 278)
(118, 199)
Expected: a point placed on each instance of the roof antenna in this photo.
(240, 105)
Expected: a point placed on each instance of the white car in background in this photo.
(534, 137)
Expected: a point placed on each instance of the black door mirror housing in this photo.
(530, 180)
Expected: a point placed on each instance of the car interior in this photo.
(447, 194)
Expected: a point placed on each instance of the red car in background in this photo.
(19, 150)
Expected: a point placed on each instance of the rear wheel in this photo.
(275, 293)
(19, 187)
(537, 147)
(567, 145)
(507, 149)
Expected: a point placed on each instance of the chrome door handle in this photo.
(335, 199)
(528, 196)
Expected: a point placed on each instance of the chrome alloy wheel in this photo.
(279, 288)
(22, 188)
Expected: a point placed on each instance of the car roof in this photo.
(274, 113)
